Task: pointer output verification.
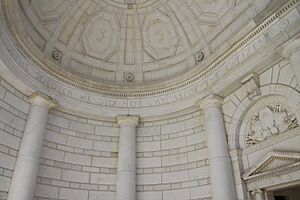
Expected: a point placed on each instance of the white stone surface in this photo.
(175, 176)
(12, 121)
(149, 195)
(73, 194)
(126, 170)
(176, 194)
(219, 161)
(47, 191)
(292, 52)
(103, 179)
(95, 195)
(24, 177)
(4, 183)
(149, 162)
(144, 179)
(176, 159)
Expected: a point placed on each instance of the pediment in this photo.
(273, 161)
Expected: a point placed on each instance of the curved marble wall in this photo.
(79, 159)
(13, 114)
(172, 159)
(80, 156)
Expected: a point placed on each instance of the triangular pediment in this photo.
(273, 161)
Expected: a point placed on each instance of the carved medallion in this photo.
(56, 55)
(129, 77)
(200, 57)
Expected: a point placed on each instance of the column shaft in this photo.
(219, 161)
(22, 186)
(126, 172)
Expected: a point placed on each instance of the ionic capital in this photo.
(212, 100)
(40, 99)
(124, 120)
(257, 191)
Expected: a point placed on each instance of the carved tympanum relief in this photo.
(269, 121)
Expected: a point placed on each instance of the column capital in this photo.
(40, 99)
(290, 48)
(257, 191)
(124, 120)
(212, 100)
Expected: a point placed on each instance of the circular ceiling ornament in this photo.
(56, 55)
(129, 77)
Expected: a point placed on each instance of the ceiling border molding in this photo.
(113, 92)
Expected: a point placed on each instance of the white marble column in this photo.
(258, 194)
(292, 52)
(22, 185)
(221, 175)
(126, 172)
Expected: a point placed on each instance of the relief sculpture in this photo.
(270, 121)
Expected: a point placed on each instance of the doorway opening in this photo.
(290, 193)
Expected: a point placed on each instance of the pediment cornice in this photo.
(273, 164)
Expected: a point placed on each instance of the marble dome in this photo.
(133, 45)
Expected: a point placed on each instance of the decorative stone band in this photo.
(40, 99)
(212, 100)
(132, 121)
